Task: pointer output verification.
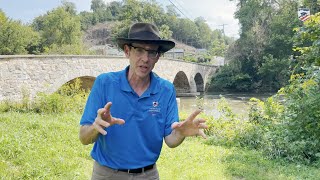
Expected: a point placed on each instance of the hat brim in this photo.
(164, 45)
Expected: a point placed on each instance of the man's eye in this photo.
(153, 53)
(140, 50)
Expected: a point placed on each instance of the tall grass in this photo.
(39, 140)
(46, 146)
(37, 146)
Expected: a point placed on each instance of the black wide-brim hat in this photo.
(145, 33)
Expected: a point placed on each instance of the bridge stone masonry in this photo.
(30, 74)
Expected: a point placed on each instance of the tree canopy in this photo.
(60, 30)
(263, 53)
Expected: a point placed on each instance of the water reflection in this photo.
(238, 103)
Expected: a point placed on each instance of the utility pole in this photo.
(223, 29)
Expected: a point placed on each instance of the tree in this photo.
(16, 38)
(115, 9)
(97, 5)
(288, 123)
(314, 5)
(3, 17)
(70, 7)
(205, 32)
(142, 11)
(266, 31)
(59, 29)
(186, 31)
(171, 11)
(307, 42)
(218, 48)
(165, 32)
(87, 19)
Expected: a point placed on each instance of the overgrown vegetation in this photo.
(286, 125)
(46, 146)
(69, 98)
(261, 59)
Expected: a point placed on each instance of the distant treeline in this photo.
(60, 30)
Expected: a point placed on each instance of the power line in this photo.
(179, 9)
(185, 10)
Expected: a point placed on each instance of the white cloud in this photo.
(215, 12)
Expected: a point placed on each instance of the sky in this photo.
(217, 13)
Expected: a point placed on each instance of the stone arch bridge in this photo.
(33, 74)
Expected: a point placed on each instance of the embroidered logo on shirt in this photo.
(155, 103)
(155, 109)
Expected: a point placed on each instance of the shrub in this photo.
(290, 125)
(230, 129)
(69, 98)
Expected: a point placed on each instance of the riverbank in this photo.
(238, 102)
(46, 146)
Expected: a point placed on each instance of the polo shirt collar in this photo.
(152, 89)
(124, 83)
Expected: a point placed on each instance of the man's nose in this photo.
(145, 56)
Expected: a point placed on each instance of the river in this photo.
(238, 103)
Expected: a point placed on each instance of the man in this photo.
(128, 136)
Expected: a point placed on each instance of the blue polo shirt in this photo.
(148, 119)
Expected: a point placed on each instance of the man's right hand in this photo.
(104, 119)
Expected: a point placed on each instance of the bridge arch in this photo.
(86, 82)
(199, 82)
(181, 83)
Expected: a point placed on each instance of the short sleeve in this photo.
(94, 102)
(172, 112)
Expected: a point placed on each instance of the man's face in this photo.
(142, 58)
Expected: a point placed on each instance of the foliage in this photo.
(69, 7)
(46, 146)
(229, 77)
(190, 58)
(102, 12)
(229, 129)
(69, 98)
(16, 38)
(314, 5)
(273, 72)
(97, 5)
(218, 48)
(266, 31)
(307, 42)
(60, 32)
(289, 123)
(3, 17)
(165, 32)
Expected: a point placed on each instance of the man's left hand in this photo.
(191, 126)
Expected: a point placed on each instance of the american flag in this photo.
(303, 14)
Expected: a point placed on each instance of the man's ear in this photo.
(159, 57)
(126, 50)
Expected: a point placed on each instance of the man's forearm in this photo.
(174, 139)
(88, 134)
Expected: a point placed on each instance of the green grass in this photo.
(34, 146)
